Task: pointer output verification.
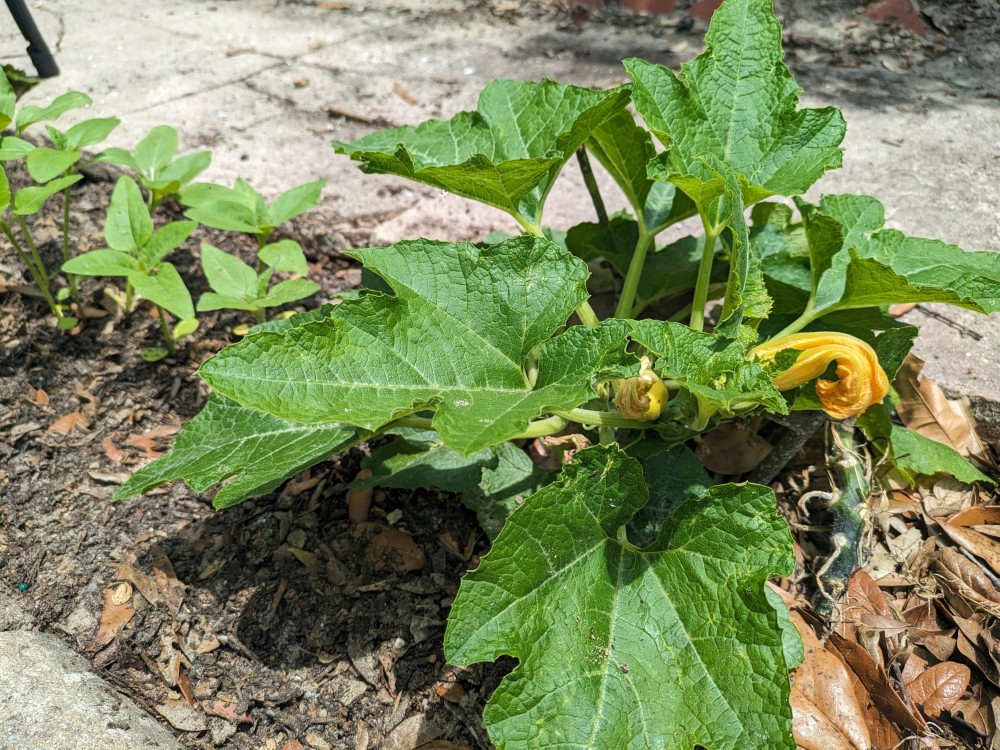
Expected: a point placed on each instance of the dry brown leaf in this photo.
(975, 711)
(182, 716)
(924, 408)
(939, 688)
(145, 444)
(41, 397)
(965, 576)
(403, 94)
(443, 745)
(980, 515)
(114, 454)
(293, 744)
(226, 710)
(452, 692)
(396, 549)
(732, 449)
(826, 714)
(114, 615)
(143, 583)
(980, 545)
(411, 733)
(876, 682)
(64, 424)
(171, 590)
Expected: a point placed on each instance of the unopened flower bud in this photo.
(641, 398)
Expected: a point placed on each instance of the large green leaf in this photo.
(737, 101)
(419, 459)
(670, 646)
(915, 454)
(128, 226)
(53, 111)
(857, 263)
(45, 163)
(227, 440)
(505, 487)
(453, 339)
(506, 154)
(30, 200)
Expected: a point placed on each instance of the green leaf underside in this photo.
(714, 368)
(666, 647)
(857, 263)
(505, 154)
(737, 102)
(259, 451)
(453, 339)
(915, 454)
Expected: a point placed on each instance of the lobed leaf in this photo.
(259, 451)
(737, 102)
(453, 339)
(670, 646)
(506, 154)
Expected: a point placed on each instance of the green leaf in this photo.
(12, 148)
(506, 154)
(211, 301)
(8, 101)
(227, 440)
(863, 265)
(713, 368)
(453, 339)
(30, 200)
(154, 354)
(127, 226)
(5, 194)
(503, 489)
(291, 290)
(185, 168)
(673, 476)
(155, 151)
(419, 459)
(165, 240)
(165, 289)
(227, 274)
(294, 202)
(737, 101)
(670, 646)
(227, 215)
(284, 255)
(101, 263)
(45, 164)
(57, 108)
(915, 454)
(185, 328)
(90, 132)
(119, 156)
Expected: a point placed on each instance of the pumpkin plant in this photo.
(629, 585)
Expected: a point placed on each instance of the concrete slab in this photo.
(258, 81)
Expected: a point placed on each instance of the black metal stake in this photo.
(39, 53)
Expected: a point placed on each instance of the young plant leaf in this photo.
(284, 255)
(506, 154)
(291, 290)
(127, 226)
(8, 101)
(211, 301)
(90, 132)
(101, 263)
(295, 202)
(181, 171)
(453, 339)
(164, 241)
(45, 163)
(230, 216)
(227, 440)
(670, 646)
(155, 151)
(737, 101)
(5, 194)
(228, 275)
(856, 263)
(166, 289)
(12, 148)
(57, 108)
(30, 200)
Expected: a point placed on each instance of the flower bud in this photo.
(861, 381)
(643, 397)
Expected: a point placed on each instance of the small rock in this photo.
(221, 731)
(49, 698)
(316, 741)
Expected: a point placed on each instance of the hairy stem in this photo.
(587, 315)
(538, 428)
(627, 300)
(702, 283)
(602, 418)
(533, 229)
(591, 182)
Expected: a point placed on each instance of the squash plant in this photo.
(629, 586)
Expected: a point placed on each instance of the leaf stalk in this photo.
(634, 274)
(704, 277)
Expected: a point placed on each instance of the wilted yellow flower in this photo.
(641, 397)
(861, 380)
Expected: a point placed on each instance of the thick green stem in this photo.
(538, 428)
(807, 317)
(168, 337)
(602, 419)
(702, 284)
(591, 182)
(533, 229)
(634, 274)
(587, 315)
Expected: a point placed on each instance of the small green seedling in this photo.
(237, 286)
(242, 209)
(135, 251)
(155, 166)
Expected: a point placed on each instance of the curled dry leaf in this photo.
(980, 545)
(143, 583)
(826, 714)
(114, 615)
(964, 576)
(939, 688)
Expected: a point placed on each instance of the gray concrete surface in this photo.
(50, 699)
(12, 615)
(257, 82)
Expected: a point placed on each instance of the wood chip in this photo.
(64, 424)
(403, 94)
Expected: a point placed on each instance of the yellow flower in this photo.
(861, 381)
(641, 398)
